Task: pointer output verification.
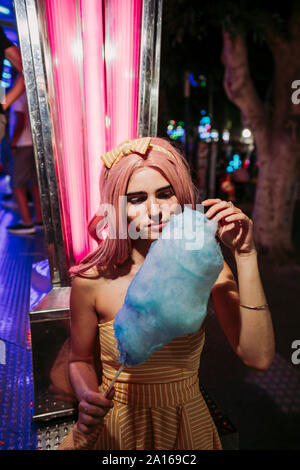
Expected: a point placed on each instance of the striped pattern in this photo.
(131, 146)
(158, 404)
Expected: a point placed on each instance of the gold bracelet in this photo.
(259, 307)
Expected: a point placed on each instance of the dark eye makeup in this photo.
(164, 193)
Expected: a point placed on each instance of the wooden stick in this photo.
(114, 379)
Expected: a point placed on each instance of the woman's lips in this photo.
(157, 227)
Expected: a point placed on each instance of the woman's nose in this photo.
(154, 209)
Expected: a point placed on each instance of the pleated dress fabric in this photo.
(157, 405)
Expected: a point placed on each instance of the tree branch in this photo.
(238, 84)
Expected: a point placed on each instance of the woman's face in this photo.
(150, 203)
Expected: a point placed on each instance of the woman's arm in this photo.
(14, 56)
(19, 127)
(250, 332)
(84, 327)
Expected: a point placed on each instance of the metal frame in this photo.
(149, 67)
(62, 195)
(41, 13)
(50, 323)
(37, 95)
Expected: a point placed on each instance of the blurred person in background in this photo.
(24, 170)
(9, 51)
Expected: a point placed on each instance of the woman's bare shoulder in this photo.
(85, 291)
(88, 280)
(92, 273)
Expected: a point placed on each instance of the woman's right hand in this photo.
(92, 409)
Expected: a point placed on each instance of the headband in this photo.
(131, 146)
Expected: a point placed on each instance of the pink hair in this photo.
(112, 252)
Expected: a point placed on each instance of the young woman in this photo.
(157, 404)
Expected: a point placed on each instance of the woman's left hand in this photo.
(234, 227)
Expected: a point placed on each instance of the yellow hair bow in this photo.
(131, 146)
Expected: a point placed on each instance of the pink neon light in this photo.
(95, 96)
(63, 38)
(122, 66)
(89, 94)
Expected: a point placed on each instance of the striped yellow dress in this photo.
(157, 405)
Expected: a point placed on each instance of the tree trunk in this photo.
(277, 139)
(274, 206)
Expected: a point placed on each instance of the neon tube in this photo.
(66, 58)
(94, 96)
(122, 66)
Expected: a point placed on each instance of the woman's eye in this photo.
(141, 199)
(137, 200)
(166, 195)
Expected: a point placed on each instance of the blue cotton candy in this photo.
(168, 296)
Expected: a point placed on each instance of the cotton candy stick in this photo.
(114, 380)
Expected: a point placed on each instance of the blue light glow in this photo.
(176, 130)
(4, 10)
(225, 136)
(236, 161)
(205, 131)
(205, 120)
(193, 82)
(234, 164)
